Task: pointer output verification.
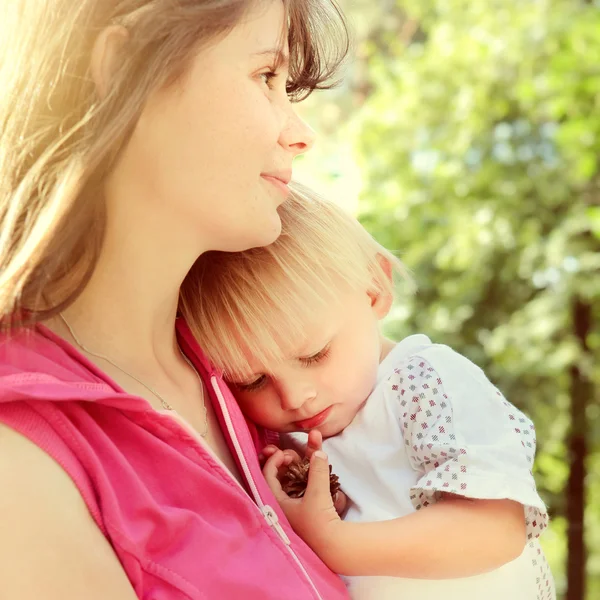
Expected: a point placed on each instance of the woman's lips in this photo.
(280, 184)
(315, 421)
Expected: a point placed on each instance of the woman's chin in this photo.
(263, 237)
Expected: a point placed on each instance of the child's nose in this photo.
(294, 394)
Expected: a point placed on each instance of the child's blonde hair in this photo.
(260, 300)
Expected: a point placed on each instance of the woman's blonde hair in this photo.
(59, 139)
(260, 300)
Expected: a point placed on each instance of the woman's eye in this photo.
(268, 78)
(253, 385)
(320, 356)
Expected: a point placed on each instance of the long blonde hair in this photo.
(59, 138)
(260, 301)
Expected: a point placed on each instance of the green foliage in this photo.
(478, 138)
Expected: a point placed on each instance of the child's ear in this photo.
(381, 294)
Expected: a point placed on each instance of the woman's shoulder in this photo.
(41, 388)
(50, 545)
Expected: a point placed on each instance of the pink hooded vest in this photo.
(181, 526)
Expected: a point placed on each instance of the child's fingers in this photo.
(314, 443)
(271, 471)
(317, 489)
(266, 452)
(291, 456)
(269, 450)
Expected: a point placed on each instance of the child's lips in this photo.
(315, 420)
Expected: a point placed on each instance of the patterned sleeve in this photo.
(463, 437)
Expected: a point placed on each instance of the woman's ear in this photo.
(381, 293)
(105, 56)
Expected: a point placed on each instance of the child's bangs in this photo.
(265, 314)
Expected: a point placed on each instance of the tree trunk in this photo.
(580, 396)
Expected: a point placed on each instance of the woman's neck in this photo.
(128, 309)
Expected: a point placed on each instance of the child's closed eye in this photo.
(261, 381)
(318, 357)
(253, 385)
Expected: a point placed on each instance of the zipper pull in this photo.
(273, 520)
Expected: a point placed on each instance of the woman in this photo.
(136, 135)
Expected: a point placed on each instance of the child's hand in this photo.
(314, 443)
(314, 516)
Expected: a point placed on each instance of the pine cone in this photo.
(296, 477)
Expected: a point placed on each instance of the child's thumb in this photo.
(318, 479)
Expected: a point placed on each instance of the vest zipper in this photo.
(267, 512)
(273, 521)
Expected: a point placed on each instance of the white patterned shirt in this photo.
(434, 423)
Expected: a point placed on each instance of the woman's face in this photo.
(210, 156)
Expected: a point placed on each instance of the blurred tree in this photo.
(476, 127)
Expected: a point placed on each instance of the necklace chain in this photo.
(163, 402)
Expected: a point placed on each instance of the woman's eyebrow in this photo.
(281, 58)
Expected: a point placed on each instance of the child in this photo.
(435, 463)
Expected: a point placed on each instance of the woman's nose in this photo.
(297, 136)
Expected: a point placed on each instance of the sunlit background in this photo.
(466, 137)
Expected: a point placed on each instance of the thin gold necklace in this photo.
(163, 402)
